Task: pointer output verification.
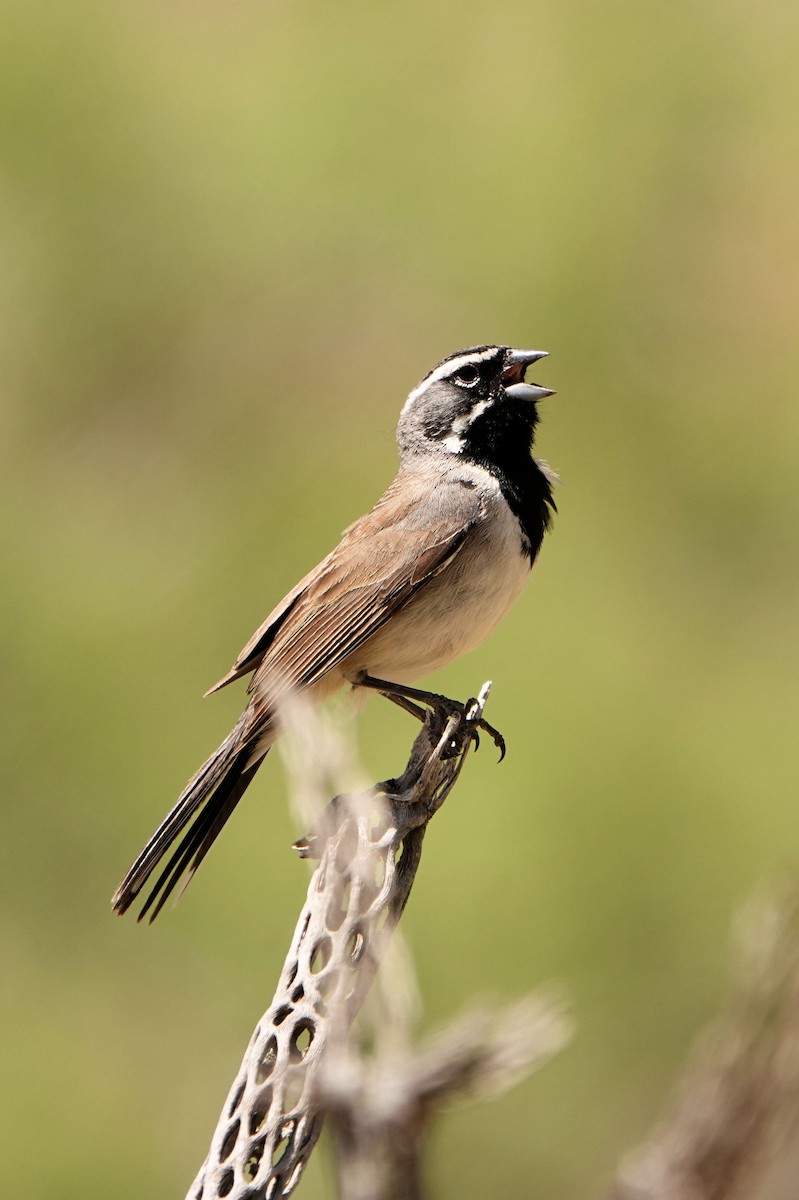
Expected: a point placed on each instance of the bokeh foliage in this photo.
(233, 236)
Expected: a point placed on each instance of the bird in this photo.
(421, 579)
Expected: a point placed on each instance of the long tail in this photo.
(203, 808)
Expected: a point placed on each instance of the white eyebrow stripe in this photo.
(445, 369)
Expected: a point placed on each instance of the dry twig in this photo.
(740, 1096)
(381, 1104)
(298, 1063)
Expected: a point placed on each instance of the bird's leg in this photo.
(407, 698)
(405, 704)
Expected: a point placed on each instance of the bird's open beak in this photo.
(516, 364)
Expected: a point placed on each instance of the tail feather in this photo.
(196, 843)
(202, 809)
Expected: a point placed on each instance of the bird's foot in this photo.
(412, 699)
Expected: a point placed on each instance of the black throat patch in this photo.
(500, 441)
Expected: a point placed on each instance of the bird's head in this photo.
(474, 403)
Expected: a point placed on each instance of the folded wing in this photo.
(382, 561)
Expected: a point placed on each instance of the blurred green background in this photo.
(233, 236)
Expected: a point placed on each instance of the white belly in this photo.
(457, 609)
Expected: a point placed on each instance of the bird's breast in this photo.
(456, 610)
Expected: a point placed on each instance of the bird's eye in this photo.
(467, 374)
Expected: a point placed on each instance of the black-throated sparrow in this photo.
(422, 578)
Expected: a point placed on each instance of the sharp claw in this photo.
(412, 700)
(495, 736)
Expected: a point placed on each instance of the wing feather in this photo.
(382, 561)
(253, 651)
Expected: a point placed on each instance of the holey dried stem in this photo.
(368, 847)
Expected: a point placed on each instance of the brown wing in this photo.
(251, 654)
(413, 532)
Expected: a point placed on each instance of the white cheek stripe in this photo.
(444, 370)
(455, 441)
(461, 424)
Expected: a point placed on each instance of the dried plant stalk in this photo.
(739, 1099)
(381, 1104)
(369, 847)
